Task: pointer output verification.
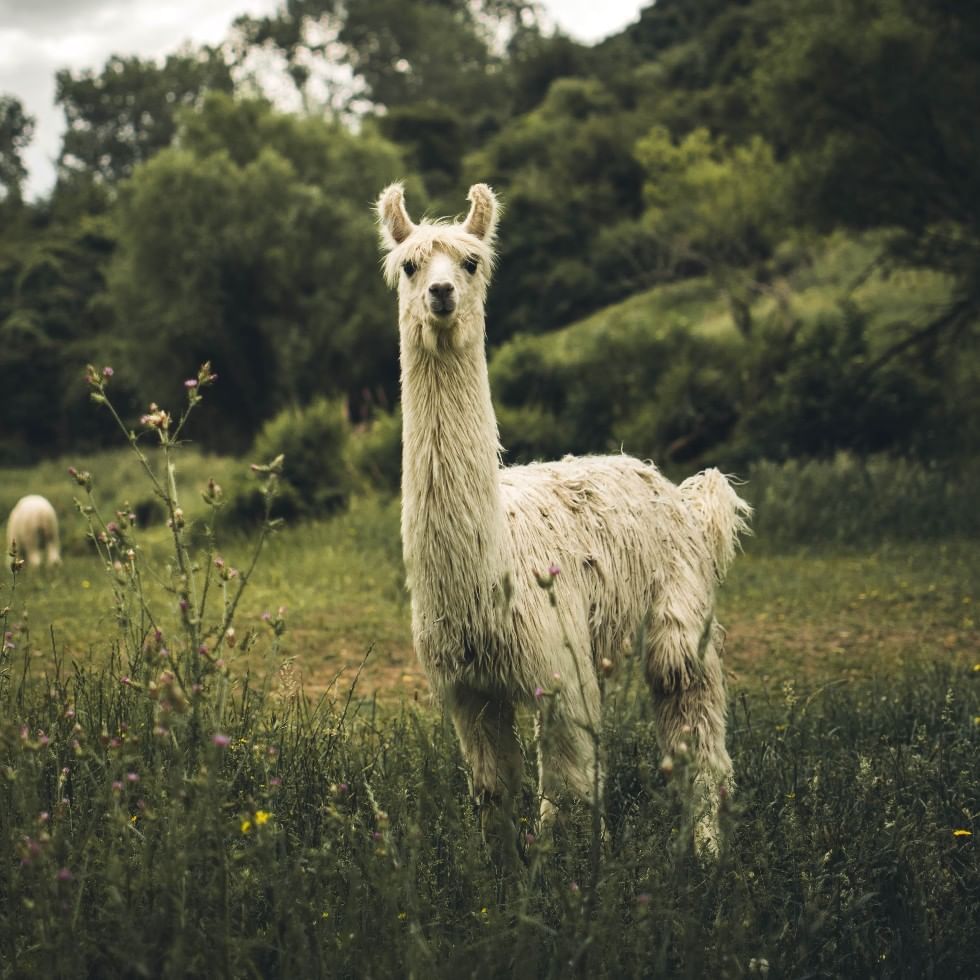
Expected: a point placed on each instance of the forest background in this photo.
(735, 231)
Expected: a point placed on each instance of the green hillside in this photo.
(646, 373)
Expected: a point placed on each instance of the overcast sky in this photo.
(37, 37)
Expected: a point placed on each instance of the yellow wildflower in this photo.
(262, 817)
(962, 833)
(246, 825)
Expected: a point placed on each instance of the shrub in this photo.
(662, 392)
(376, 451)
(315, 476)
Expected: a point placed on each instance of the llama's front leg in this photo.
(567, 737)
(691, 719)
(490, 744)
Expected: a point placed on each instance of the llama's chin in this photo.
(440, 333)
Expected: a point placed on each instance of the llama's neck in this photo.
(453, 530)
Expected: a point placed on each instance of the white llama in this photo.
(33, 526)
(625, 548)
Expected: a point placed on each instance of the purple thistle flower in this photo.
(64, 874)
(222, 741)
(538, 693)
(132, 777)
(107, 372)
(553, 569)
(190, 383)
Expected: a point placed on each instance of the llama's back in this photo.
(618, 530)
(615, 527)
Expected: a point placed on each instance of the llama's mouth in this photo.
(442, 308)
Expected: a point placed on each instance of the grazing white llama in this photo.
(625, 548)
(33, 525)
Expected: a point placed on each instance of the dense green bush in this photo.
(376, 451)
(661, 392)
(814, 390)
(806, 386)
(315, 476)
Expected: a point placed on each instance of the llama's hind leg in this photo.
(691, 712)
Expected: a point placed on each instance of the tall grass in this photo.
(331, 840)
(853, 501)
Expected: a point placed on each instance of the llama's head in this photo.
(441, 269)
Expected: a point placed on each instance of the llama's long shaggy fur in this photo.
(624, 550)
(33, 526)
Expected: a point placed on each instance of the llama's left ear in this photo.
(484, 210)
(395, 223)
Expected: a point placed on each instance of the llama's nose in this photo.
(441, 290)
(441, 297)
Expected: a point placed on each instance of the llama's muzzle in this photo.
(442, 298)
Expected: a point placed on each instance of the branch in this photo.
(951, 318)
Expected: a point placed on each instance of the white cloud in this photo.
(592, 20)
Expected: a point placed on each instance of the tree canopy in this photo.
(192, 219)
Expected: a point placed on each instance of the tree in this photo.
(717, 206)
(16, 132)
(568, 174)
(406, 54)
(252, 244)
(52, 321)
(121, 116)
(874, 105)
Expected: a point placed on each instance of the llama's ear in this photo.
(395, 223)
(484, 209)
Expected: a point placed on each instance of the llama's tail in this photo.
(722, 513)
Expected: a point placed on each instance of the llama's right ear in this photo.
(395, 223)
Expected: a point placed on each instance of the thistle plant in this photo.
(178, 656)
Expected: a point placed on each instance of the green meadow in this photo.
(298, 805)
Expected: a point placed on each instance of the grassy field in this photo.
(298, 807)
(819, 615)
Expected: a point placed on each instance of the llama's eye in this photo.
(470, 264)
(409, 268)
